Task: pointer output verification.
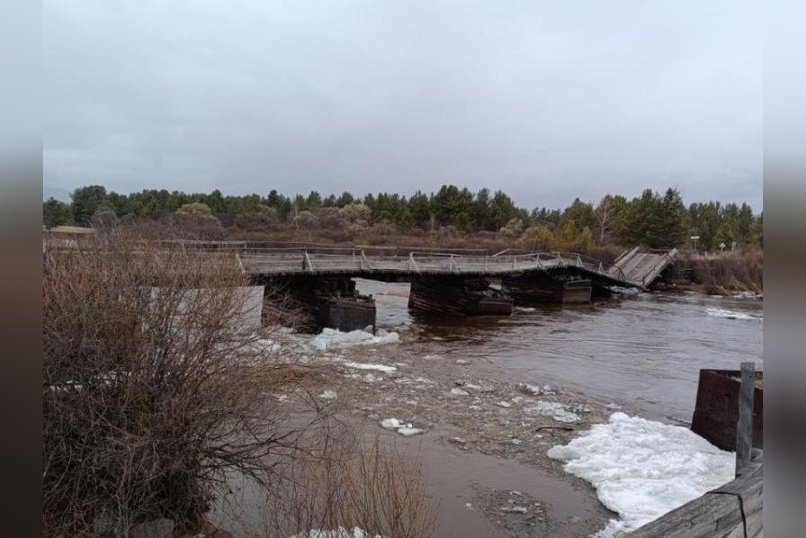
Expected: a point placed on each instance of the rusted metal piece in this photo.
(716, 413)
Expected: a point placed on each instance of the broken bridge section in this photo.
(641, 268)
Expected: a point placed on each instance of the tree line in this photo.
(654, 220)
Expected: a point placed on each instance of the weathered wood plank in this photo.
(744, 429)
(721, 513)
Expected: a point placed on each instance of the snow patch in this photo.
(555, 410)
(642, 469)
(730, 314)
(332, 339)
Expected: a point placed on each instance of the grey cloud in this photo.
(545, 100)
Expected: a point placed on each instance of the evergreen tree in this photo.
(86, 202)
(54, 213)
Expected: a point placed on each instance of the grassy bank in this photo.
(727, 273)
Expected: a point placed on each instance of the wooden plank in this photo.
(744, 429)
(734, 510)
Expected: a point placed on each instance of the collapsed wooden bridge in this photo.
(454, 282)
(318, 279)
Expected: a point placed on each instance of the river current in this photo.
(642, 351)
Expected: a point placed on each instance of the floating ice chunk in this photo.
(514, 509)
(459, 392)
(463, 362)
(730, 314)
(745, 295)
(433, 357)
(400, 427)
(642, 469)
(333, 339)
(370, 366)
(530, 389)
(329, 395)
(555, 410)
(503, 404)
(391, 423)
(624, 291)
(524, 309)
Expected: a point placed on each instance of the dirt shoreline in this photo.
(483, 442)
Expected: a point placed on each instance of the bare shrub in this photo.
(344, 484)
(150, 393)
(728, 272)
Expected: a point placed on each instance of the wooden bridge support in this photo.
(310, 304)
(458, 296)
(540, 287)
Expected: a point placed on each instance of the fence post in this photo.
(744, 428)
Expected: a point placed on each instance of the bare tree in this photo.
(603, 215)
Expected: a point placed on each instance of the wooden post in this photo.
(744, 428)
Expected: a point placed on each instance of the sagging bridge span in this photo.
(319, 279)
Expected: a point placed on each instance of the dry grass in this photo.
(729, 272)
(345, 485)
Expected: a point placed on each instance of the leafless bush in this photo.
(344, 484)
(150, 393)
(728, 272)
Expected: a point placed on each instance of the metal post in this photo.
(744, 428)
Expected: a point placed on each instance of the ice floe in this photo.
(642, 469)
(370, 366)
(730, 314)
(746, 295)
(555, 410)
(401, 427)
(332, 339)
(329, 395)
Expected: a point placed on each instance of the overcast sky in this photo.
(546, 100)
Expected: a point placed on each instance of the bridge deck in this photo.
(274, 262)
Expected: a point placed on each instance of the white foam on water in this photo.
(642, 469)
(730, 314)
(330, 339)
(524, 309)
(555, 410)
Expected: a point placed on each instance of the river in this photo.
(643, 352)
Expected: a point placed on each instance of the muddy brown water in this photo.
(640, 354)
(642, 351)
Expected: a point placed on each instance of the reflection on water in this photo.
(644, 352)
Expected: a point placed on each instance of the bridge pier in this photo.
(541, 288)
(311, 304)
(458, 296)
